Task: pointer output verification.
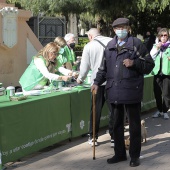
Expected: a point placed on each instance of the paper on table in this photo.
(32, 92)
(18, 93)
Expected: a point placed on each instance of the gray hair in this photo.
(68, 36)
(93, 32)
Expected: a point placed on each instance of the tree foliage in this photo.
(144, 14)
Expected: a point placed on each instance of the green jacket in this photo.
(165, 62)
(32, 77)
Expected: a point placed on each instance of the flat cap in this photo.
(120, 21)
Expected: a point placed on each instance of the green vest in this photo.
(69, 53)
(165, 63)
(32, 77)
(61, 59)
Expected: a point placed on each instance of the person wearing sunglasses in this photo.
(41, 71)
(161, 83)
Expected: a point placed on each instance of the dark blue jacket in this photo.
(124, 84)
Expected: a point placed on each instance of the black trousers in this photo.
(161, 86)
(133, 112)
(100, 100)
(111, 119)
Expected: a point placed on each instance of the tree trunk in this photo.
(72, 26)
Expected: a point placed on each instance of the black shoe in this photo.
(115, 159)
(134, 162)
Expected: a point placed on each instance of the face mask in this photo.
(72, 45)
(121, 33)
(61, 51)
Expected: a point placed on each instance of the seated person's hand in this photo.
(75, 75)
(66, 78)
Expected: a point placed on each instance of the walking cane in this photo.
(94, 117)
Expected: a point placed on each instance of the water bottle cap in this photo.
(10, 88)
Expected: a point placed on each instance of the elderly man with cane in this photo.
(126, 60)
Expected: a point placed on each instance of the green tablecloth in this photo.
(80, 112)
(40, 121)
(30, 125)
(148, 101)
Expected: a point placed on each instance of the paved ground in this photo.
(78, 155)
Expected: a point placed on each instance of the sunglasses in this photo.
(165, 35)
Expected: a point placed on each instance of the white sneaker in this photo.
(166, 116)
(90, 142)
(112, 144)
(161, 114)
(157, 114)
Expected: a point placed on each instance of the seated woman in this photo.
(41, 70)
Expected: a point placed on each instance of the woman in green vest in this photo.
(161, 55)
(41, 70)
(64, 65)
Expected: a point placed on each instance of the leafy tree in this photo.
(144, 14)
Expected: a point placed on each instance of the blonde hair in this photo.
(161, 31)
(50, 47)
(60, 41)
(44, 52)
